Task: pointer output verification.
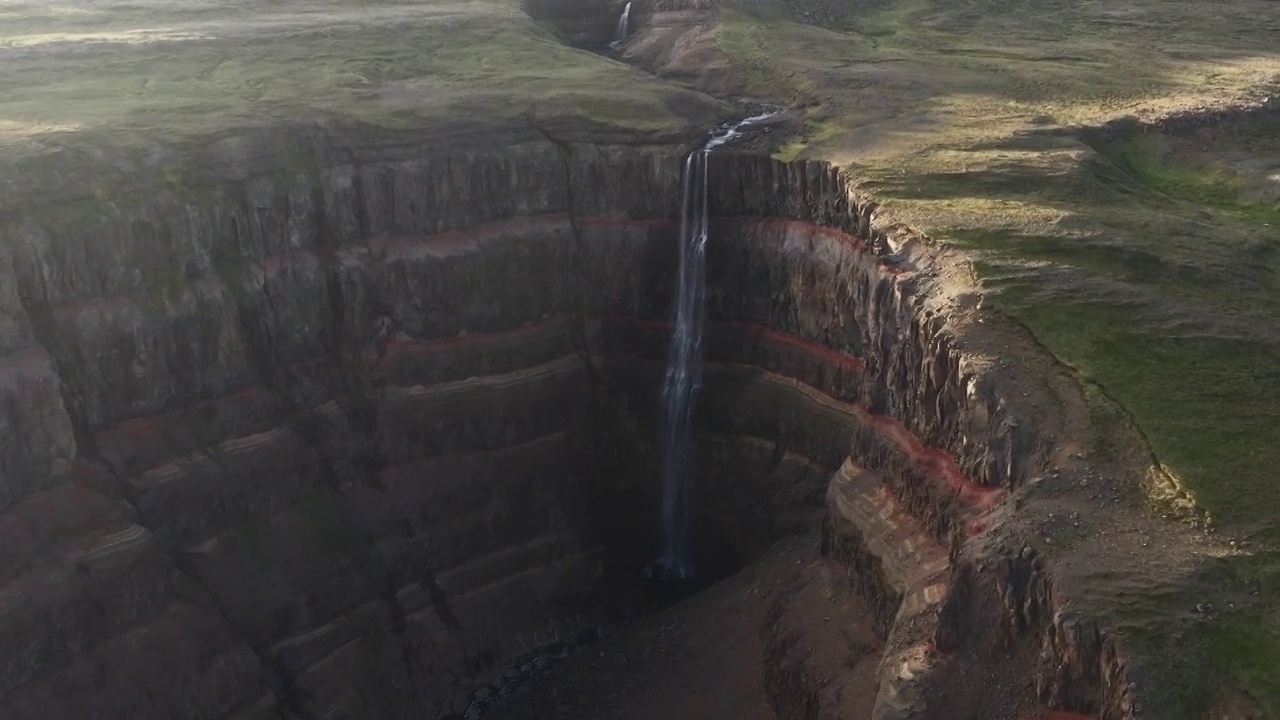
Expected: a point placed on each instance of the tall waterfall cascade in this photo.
(684, 364)
(622, 30)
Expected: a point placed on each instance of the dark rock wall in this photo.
(299, 427)
(583, 23)
(591, 23)
(329, 439)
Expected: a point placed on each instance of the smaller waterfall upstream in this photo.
(621, 31)
(684, 364)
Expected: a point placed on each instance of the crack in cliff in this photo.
(44, 331)
(264, 362)
(579, 327)
(356, 402)
(43, 328)
(362, 414)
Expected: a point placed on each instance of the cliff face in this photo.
(583, 23)
(270, 434)
(338, 437)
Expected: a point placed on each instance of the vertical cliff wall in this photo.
(833, 341)
(337, 430)
(582, 23)
(315, 439)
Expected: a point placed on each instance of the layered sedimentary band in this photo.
(341, 443)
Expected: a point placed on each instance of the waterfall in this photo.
(620, 32)
(684, 362)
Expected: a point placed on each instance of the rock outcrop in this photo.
(583, 23)
(341, 436)
(325, 434)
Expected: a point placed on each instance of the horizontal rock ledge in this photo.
(356, 414)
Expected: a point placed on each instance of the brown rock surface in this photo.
(377, 462)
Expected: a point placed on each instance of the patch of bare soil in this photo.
(724, 652)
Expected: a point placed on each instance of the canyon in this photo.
(322, 441)
(351, 419)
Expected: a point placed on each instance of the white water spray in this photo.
(684, 363)
(621, 31)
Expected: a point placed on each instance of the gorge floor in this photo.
(704, 657)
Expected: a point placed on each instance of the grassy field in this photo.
(1148, 262)
(1163, 289)
(139, 73)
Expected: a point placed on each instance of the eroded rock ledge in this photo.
(338, 437)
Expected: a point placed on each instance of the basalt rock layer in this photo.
(343, 436)
(583, 23)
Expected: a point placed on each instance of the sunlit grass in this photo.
(177, 72)
(1153, 272)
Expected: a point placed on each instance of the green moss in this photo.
(897, 24)
(1149, 267)
(815, 131)
(1236, 642)
(1204, 397)
(1149, 160)
(401, 67)
(1207, 405)
(745, 38)
(1106, 418)
(1248, 644)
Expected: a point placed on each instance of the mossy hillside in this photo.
(921, 78)
(1157, 281)
(1138, 265)
(1146, 262)
(111, 84)
(399, 66)
(1171, 303)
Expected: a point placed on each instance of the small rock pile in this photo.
(474, 704)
